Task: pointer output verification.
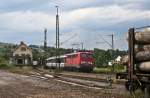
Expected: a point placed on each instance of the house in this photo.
(118, 59)
(22, 55)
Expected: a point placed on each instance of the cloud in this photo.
(25, 19)
(104, 20)
(22, 5)
(109, 15)
(133, 4)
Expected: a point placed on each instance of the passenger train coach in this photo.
(81, 61)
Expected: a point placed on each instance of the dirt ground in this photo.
(21, 86)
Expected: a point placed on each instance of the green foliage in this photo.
(35, 54)
(119, 66)
(5, 66)
(102, 57)
(6, 51)
(106, 69)
(3, 60)
(102, 70)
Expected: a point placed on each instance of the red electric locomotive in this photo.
(82, 61)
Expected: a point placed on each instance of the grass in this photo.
(5, 66)
(21, 70)
(101, 70)
(108, 69)
(16, 69)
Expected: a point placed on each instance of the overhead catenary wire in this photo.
(105, 40)
(70, 38)
(142, 27)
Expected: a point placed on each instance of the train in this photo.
(78, 61)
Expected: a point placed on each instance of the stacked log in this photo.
(139, 48)
(144, 66)
(142, 51)
(142, 37)
(142, 56)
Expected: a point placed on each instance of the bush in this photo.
(3, 61)
(105, 69)
(119, 67)
(5, 66)
(102, 70)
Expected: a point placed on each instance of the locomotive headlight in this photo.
(83, 62)
(89, 63)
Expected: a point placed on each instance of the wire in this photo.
(105, 40)
(65, 41)
(142, 27)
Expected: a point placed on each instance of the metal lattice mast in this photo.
(57, 39)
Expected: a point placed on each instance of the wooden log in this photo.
(142, 56)
(142, 37)
(144, 66)
(139, 48)
(139, 57)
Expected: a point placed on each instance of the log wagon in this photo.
(138, 61)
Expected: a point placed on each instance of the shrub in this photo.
(4, 66)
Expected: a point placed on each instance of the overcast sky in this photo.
(87, 21)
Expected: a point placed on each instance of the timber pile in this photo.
(142, 48)
(142, 37)
(142, 51)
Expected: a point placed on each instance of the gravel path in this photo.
(20, 86)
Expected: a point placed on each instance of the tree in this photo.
(102, 57)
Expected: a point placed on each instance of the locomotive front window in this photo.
(83, 55)
(89, 55)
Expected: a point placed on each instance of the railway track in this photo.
(93, 76)
(78, 79)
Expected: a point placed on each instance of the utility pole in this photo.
(45, 39)
(45, 46)
(112, 51)
(82, 45)
(112, 41)
(112, 47)
(57, 39)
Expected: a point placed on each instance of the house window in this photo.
(23, 49)
(23, 55)
(16, 55)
